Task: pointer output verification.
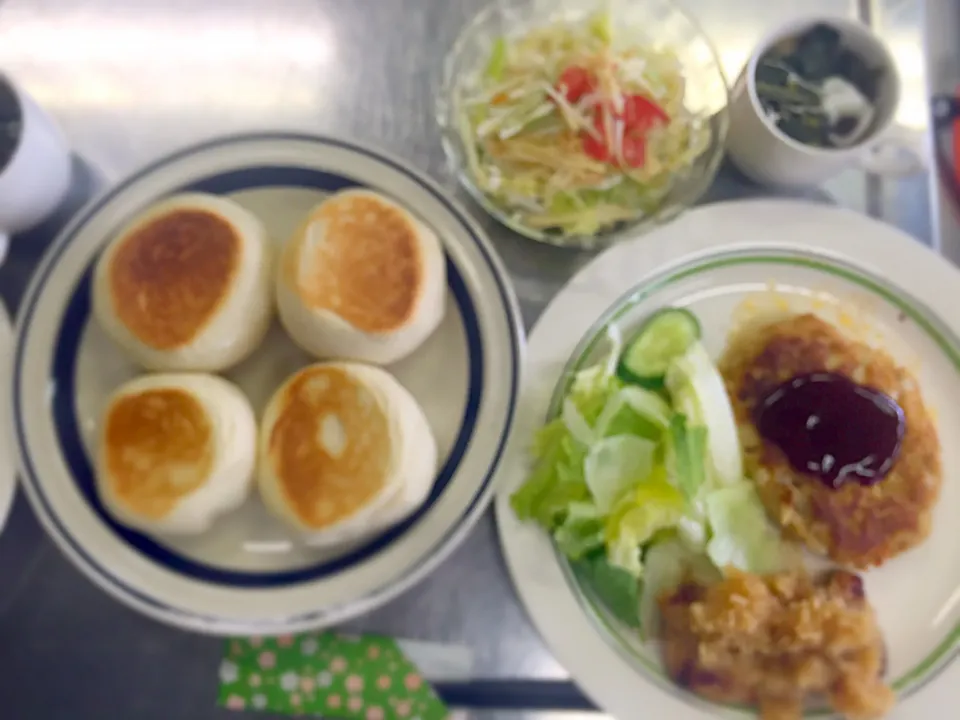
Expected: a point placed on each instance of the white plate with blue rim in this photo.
(248, 574)
(725, 262)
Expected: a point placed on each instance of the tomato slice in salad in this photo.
(633, 146)
(597, 147)
(639, 114)
(634, 150)
(642, 113)
(575, 82)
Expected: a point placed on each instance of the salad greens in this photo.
(617, 590)
(640, 488)
(571, 127)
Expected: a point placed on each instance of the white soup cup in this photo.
(769, 157)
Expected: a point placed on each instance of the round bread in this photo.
(187, 285)
(345, 452)
(175, 452)
(361, 279)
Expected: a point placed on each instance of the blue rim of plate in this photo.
(73, 323)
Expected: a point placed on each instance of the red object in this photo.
(638, 117)
(946, 119)
(575, 82)
(956, 140)
(634, 147)
(634, 150)
(641, 113)
(597, 148)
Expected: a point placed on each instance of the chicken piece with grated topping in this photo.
(777, 642)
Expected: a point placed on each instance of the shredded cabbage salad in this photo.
(642, 488)
(571, 129)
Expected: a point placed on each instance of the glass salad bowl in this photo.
(581, 122)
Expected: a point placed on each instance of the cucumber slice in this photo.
(665, 336)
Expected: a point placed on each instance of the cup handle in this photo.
(899, 152)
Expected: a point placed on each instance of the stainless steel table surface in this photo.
(130, 80)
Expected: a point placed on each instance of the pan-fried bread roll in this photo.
(361, 279)
(187, 285)
(345, 452)
(175, 452)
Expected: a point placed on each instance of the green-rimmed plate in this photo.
(733, 263)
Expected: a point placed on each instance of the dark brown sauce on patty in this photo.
(832, 428)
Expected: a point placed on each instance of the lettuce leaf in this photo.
(557, 478)
(697, 390)
(601, 25)
(581, 531)
(686, 452)
(633, 410)
(497, 62)
(561, 446)
(616, 464)
(742, 536)
(653, 505)
(617, 590)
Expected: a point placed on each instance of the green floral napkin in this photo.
(328, 674)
